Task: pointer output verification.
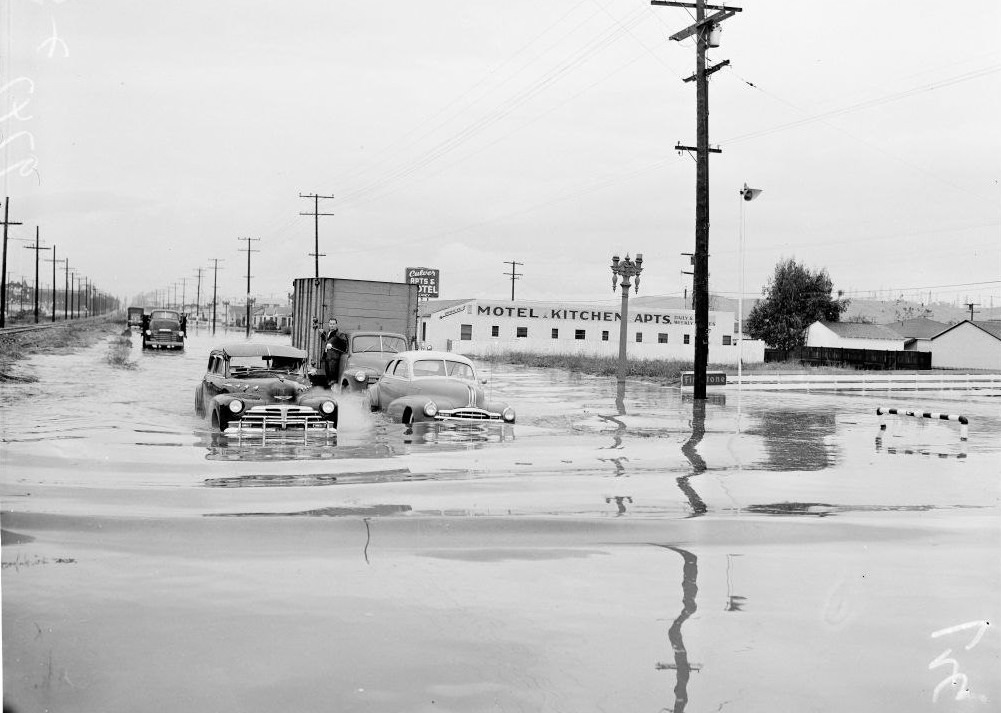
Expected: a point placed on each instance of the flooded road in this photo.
(612, 551)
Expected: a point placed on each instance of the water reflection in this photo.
(620, 503)
(690, 449)
(796, 440)
(620, 410)
(919, 451)
(454, 433)
(682, 666)
(734, 602)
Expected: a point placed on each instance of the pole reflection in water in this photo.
(681, 665)
(620, 410)
(734, 602)
(690, 449)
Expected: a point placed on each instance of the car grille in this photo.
(282, 418)
(165, 338)
(468, 414)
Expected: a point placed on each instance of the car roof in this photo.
(245, 349)
(373, 333)
(428, 354)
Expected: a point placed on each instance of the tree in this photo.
(794, 298)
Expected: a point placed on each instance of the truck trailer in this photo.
(358, 305)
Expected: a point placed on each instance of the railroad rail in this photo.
(19, 328)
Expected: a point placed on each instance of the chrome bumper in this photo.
(280, 418)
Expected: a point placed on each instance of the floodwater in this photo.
(612, 551)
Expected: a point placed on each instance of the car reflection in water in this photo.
(445, 433)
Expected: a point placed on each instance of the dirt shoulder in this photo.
(64, 338)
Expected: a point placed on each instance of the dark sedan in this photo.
(257, 388)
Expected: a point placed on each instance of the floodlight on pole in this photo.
(747, 194)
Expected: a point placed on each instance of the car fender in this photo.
(397, 408)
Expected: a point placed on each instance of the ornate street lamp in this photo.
(626, 269)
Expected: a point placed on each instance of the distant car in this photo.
(366, 358)
(135, 316)
(257, 387)
(434, 386)
(164, 329)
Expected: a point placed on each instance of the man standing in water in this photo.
(334, 344)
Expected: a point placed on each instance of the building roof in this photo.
(918, 327)
(992, 328)
(857, 330)
(429, 307)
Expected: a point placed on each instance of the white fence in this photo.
(868, 381)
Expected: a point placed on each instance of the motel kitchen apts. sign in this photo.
(425, 278)
(585, 314)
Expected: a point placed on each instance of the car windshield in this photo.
(378, 343)
(161, 314)
(443, 367)
(239, 365)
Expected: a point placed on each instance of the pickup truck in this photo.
(164, 329)
(366, 358)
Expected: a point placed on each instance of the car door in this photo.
(395, 381)
(215, 377)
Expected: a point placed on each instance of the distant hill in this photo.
(883, 312)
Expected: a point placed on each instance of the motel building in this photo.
(482, 327)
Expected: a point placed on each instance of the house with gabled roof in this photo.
(919, 329)
(968, 345)
(854, 335)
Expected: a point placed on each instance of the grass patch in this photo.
(120, 349)
(664, 370)
(65, 338)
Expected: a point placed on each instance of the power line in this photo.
(513, 274)
(316, 217)
(248, 250)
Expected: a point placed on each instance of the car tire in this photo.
(408, 417)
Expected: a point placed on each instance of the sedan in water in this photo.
(258, 388)
(364, 361)
(434, 386)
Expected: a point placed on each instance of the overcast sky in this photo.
(146, 138)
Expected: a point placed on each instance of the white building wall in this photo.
(493, 327)
(966, 347)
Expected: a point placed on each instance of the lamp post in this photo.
(747, 194)
(625, 269)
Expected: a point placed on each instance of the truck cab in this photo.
(164, 329)
(366, 358)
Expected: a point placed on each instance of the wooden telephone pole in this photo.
(513, 274)
(705, 31)
(248, 250)
(38, 249)
(316, 221)
(3, 269)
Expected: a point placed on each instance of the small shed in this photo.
(968, 345)
(853, 335)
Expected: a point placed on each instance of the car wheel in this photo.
(373, 400)
(199, 402)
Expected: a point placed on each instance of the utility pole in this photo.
(316, 220)
(54, 261)
(198, 297)
(248, 250)
(36, 247)
(691, 261)
(969, 306)
(73, 294)
(513, 274)
(66, 290)
(706, 33)
(215, 283)
(3, 269)
(184, 291)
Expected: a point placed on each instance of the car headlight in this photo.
(430, 409)
(236, 406)
(328, 407)
(148, 332)
(360, 375)
(508, 414)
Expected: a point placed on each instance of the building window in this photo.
(465, 332)
(604, 335)
(727, 341)
(661, 337)
(580, 334)
(688, 338)
(495, 331)
(639, 336)
(521, 332)
(556, 333)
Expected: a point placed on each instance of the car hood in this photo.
(373, 361)
(450, 393)
(271, 388)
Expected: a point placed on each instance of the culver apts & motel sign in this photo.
(484, 326)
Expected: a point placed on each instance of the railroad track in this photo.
(18, 328)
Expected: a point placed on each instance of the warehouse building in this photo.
(480, 327)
